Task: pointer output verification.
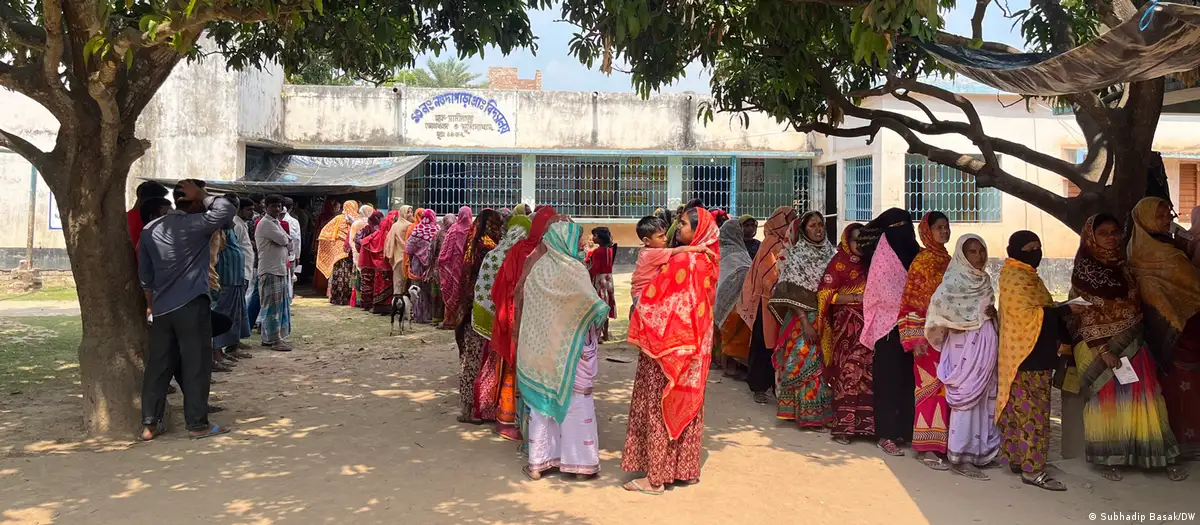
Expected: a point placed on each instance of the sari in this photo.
(333, 255)
(375, 249)
(764, 273)
(802, 395)
(483, 315)
(368, 262)
(504, 290)
(472, 347)
(450, 266)
(431, 288)
(734, 340)
(957, 325)
(394, 243)
(849, 370)
(1124, 425)
(560, 309)
(673, 325)
(932, 415)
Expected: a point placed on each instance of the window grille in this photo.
(602, 187)
(859, 189)
(446, 182)
(929, 186)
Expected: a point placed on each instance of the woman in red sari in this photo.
(839, 323)
(673, 327)
(931, 422)
(374, 259)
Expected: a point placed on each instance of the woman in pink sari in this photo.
(419, 251)
(450, 266)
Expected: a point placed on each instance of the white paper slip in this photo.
(1079, 301)
(1125, 374)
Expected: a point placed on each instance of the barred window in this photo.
(859, 186)
(445, 182)
(708, 179)
(766, 184)
(602, 187)
(929, 186)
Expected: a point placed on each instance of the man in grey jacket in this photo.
(173, 267)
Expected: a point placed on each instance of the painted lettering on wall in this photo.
(455, 123)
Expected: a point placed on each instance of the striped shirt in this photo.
(231, 262)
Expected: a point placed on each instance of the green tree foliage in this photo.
(446, 73)
(811, 63)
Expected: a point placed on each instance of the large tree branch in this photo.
(950, 39)
(977, 18)
(26, 149)
(18, 29)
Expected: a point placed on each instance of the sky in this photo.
(563, 72)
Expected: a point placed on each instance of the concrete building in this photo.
(605, 158)
(506, 78)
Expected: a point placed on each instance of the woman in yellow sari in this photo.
(333, 254)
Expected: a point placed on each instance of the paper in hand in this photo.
(1079, 301)
(1125, 375)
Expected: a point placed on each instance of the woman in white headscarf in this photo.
(733, 335)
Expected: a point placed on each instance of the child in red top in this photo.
(654, 254)
(600, 267)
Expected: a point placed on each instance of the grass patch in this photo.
(57, 293)
(38, 350)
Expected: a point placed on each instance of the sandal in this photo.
(1112, 474)
(841, 440)
(158, 430)
(1044, 481)
(974, 474)
(889, 447)
(214, 430)
(533, 476)
(1177, 473)
(761, 398)
(636, 486)
(463, 418)
(934, 463)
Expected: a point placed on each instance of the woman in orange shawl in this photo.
(932, 418)
(673, 327)
(839, 323)
(1170, 288)
(756, 291)
(333, 254)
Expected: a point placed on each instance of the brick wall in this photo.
(506, 78)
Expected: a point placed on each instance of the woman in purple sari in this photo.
(419, 250)
(960, 323)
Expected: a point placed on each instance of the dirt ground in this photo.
(357, 426)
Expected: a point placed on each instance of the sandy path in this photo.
(362, 431)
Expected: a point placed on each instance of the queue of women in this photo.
(878, 337)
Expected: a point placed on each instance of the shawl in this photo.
(903, 242)
(961, 299)
(480, 242)
(331, 243)
(1114, 319)
(764, 272)
(1170, 285)
(843, 275)
(1023, 296)
(366, 257)
(673, 325)
(801, 266)
(419, 247)
(735, 262)
(484, 312)
(505, 287)
(396, 239)
(886, 277)
(924, 275)
(561, 307)
(450, 260)
(364, 213)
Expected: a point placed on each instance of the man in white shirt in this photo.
(273, 276)
(294, 246)
(242, 226)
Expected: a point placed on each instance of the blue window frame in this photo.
(859, 186)
(602, 186)
(445, 182)
(929, 186)
(708, 179)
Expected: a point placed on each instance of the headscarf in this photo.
(1023, 296)
(450, 262)
(901, 237)
(484, 312)
(801, 266)
(331, 243)
(364, 213)
(1114, 319)
(1170, 285)
(504, 289)
(735, 262)
(673, 325)
(396, 238)
(961, 300)
(480, 242)
(367, 258)
(764, 273)
(1017, 241)
(521, 209)
(419, 247)
(561, 307)
(924, 275)
(844, 275)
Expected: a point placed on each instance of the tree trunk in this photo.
(110, 298)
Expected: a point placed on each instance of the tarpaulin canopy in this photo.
(1162, 39)
(307, 175)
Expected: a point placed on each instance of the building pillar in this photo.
(529, 180)
(674, 182)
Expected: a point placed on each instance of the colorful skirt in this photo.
(1126, 425)
(366, 288)
(932, 418)
(339, 282)
(472, 348)
(276, 313)
(1025, 422)
(803, 395)
(648, 446)
(849, 376)
(382, 297)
